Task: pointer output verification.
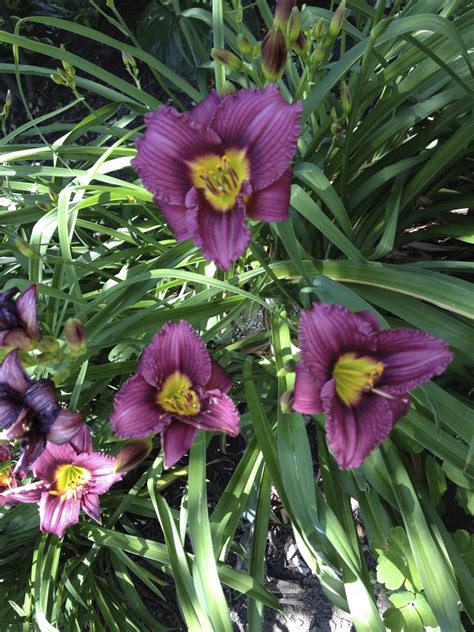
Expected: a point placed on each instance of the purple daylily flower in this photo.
(224, 161)
(18, 325)
(7, 477)
(72, 477)
(29, 411)
(360, 376)
(177, 390)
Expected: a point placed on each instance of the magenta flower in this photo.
(29, 411)
(224, 161)
(7, 477)
(177, 390)
(18, 326)
(360, 376)
(71, 478)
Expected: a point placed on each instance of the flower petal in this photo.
(262, 122)
(399, 406)
(353, 432)
(45, 466)
(204, 111)
(90, 505)
(41, 398)
(12, 373)
(82, 440)
(32, 446)
(176, 439)
(57, 513)
(220, 380)
(171, 139)
(307, 398)
(175, 216)
(176, 347)
(16, 339)
(326, 332)
(26, 494)
(10, 406)
(272, 203)
(222, 236)
(101, 466)
(65, 427)
(410, 358)
(26, 308)
(135, 411)
(218, 414)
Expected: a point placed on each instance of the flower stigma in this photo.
(220, 178)
(176, 396)
(354, 376)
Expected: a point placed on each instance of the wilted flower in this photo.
(72, 478)
(225, 161)
(177, 390)
(18, 326)
(360, 376)
(274, 54)
(29, 411)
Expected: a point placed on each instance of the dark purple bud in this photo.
(301, 45)
(282, 13)
(132, 454)
(273, 54)
(227, 58)
(75, 336)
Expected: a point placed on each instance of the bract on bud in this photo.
(282, 13)
(132, 454)
(75, 336)
(273, 54)
(300, 46)
(346, 100)
(337, 20)
(227, 58)
(293, 28)
(244, 44)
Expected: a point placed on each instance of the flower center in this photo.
(220, 178)
(70, 479)
(176, 396)
(6, 479)
(355, 375)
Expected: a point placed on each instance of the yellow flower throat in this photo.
(70, 479)
(354, 376)
(220, 178)
(176, 396)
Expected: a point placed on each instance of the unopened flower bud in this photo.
(273, 54)
(293, 28)
(132, 454)
(129, 60)
(282, 13)
(75, 336)
(244, 44)
(68, 69)
(25, 249)
(319, 54)
(300, 46)
(346, 100)
(286, 401)
(227, 58)
(227, 89)
(337, 20)
(57, 79)
(8, 99)
(318, 31)
(43, 206)
(49, 345)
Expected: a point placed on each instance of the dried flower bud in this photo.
(25, 249)
(282, 13)
(337, 20)
(227, 58)
(244, 44)
(286, 401)
(75, 336)
(293, 28)
(300, 46)
(273, 54)
(132, 454)
(346, 100)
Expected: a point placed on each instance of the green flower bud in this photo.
(49, 346)
(8, 99)
(286, 402)
(300, 46)
(318, 31)
(337, 20)
(319, 55)
(227, 58)
(282, 13)
(244, 44)
(273, 54)
(43, 206)
(346, 100)
(293, 27)
(228, 88)
(75, 336)
(25, 249)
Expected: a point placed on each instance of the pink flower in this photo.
(223, 162)
(72, 477)
(360, 376)
(177, 390)
(7, 477)
(18, 326)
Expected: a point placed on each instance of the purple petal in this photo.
(353, 432)
(176, 440)
(399, 406)
(27, 494)
(136, 413)
(90, 505)
(371, 319)
(32, 446)
(41, 398)
(82, 440)
(204, 111)
(222, 236)
(262, 122)
(16, 339)
(220, 380)
(410, 358)
(272, 203)
(65, 427)
(10, 407)
(177, 347)
(217, 414)
(307, 398)
(57, 513)
(46, 465)
(26, 308)
(101, 466)
(328, 331)
(12, 373)
(175, 216)
(171, 139)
